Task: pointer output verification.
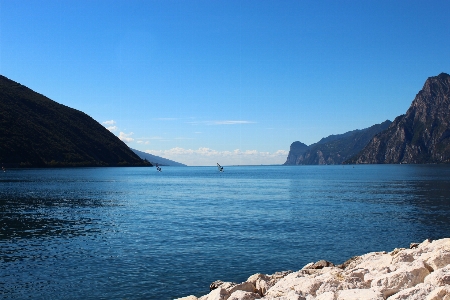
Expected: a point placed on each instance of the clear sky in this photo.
(234, 82)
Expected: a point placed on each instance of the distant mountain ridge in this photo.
(422, 135)
(334, 149)
(157, 160)
(36, 131)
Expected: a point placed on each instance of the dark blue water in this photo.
(134, 233)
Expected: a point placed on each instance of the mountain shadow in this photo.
(36, 131)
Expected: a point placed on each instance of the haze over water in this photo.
(135, 233)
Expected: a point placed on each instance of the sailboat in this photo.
(219, 167)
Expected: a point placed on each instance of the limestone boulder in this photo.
(216, 294)
(224, 291)
(334, 279)
(405, 255)
(326, 296)
(439, 277)
(188, 298)
(319, 265)
(215, 284)
(263, 282)
(297, 282)
(243, 295)
(418, 292)
(435, 254)
(408, 275)
(358, 294)
(244, 286)
(421, 272)
(440, 293)
(373, 262)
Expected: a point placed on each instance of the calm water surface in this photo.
(134, 233)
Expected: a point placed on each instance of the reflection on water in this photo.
(31, 216)
(116, 233)
(29, 222)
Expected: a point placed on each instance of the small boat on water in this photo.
(158, 168)
(219, 167)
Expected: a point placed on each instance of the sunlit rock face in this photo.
(422, 135)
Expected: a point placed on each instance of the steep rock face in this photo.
(297, 149)
(422, 135)
(36, 131)
(334, 149)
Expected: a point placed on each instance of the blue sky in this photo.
(234, 82)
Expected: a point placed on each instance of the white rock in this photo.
(439, 277)
(326, 296)
(188, 298)
(217, 294)
(356, 273)
(436, 254)
(260, 282)
(297, 282)
(335, 279)
(369, 277)
(242, 295)
(262, 287)
(245, 286)
(405, 255)
(418, 292)
(359, 294)
(440, 293)
(258, 276)
(374, 261)
(291, 295)
(408, 275)
(402, 274)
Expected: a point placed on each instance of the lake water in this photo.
(135, 233)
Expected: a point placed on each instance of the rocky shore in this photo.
(421, 272)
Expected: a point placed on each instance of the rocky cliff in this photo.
(297, 149)
(36, 131)
(422, 135)
(334, 149)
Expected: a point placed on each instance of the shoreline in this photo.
(420, 272)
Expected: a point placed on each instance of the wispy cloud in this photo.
(110, 125)
(126, 137)
(110, 122)
(208, 157)
(112, 128)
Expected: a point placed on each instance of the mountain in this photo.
(157, 160)
(422, 135)
(297, 149)
(334, 149)
(36, 131)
